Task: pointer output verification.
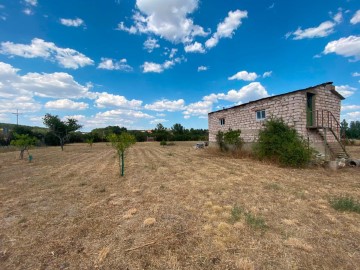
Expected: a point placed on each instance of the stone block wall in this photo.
(290, 107)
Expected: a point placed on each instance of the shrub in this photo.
(279, 142)
(163, 143)
(229, 140)
(255, 221)
(345, 204)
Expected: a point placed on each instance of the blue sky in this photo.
(138, 63)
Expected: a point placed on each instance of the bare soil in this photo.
(175, 208)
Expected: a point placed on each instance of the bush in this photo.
(229, 140)
(345, 204)
(279, 142)
(163, 143)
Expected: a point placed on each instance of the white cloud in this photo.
(126, 114)
(161, 114)
(355, 74)
(345, 90)
(356, 18)
(23, 103)
(267, 74)
(31, 2)
(227, 28)
(53, 85)
(252, 91)
(323, 30)
(105, 99)
(157, 121)
(202, 68)
(167, 19)
(66, 104)
(338, 17)
(350, 107)
(347, 47)
(271, 6)
(172, 53)
(166, 105)
(150, 44)
(196, 47)
(110, 64)
(28, 11)
(353, 116)
(244, 75)
(66, 57)
(159, 68)
(72, 22)
(152, 67)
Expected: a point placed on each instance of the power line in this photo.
(17, 116)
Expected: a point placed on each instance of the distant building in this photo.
(314, 112)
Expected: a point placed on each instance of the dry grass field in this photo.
(176, 208)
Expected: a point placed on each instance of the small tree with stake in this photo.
(23, 142)
(61, 129)
(121, 143)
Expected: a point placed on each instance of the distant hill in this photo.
(33, 128)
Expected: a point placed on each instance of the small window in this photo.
(222, 121)
(260, 115)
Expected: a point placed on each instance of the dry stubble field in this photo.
(176, 208)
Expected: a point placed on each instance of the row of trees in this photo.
(59, 132)
(352, 130)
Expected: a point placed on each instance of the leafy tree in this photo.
(229, 139)
(90, 141)
(161, 133)
(121, 143)
(344, 127)
(279, 142)
(23, 142)
(61, 129)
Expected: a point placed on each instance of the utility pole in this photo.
(17, 116)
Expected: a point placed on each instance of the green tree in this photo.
(121, 143)
(23, 142)
(161, 133)
(61, 129)
(229, 139)
(344, 127)
(279, 142)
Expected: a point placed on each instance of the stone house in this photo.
(314, 112)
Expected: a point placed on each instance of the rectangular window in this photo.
(222, 121)
(260, 115)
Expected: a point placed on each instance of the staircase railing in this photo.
(326, 119)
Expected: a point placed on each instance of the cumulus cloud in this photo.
(345, 90)
(267, 74)
(252, 91)
(24, 103)
(72, 22)
(167, 19)
(66, 57)
(105, 99)
(66, 104)
(150, 44)
(151, 67)
(323, 30)
(127, 114)
(353, 116)
(157, 121)
(202, 68)
(355, 74)
(53, 85)
(346, 46)
(31, 2)
(111, 64)
(196, 47)
(244, 75)
(356, 18)
(350, 107)
(227, 28)
(166, 105)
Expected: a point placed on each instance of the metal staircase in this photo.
(329, 130)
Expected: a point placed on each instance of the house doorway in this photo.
(310, 109)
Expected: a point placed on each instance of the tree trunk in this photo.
(122, 164)
(62, 144)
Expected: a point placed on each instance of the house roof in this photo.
(292, 92)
